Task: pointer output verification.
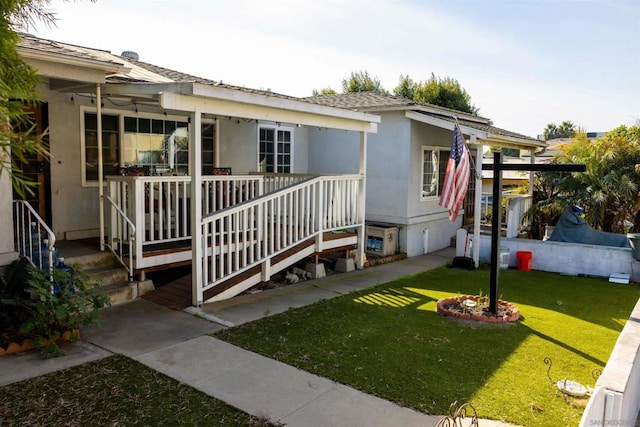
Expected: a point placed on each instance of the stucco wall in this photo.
(568, 258)
(75, 207)
(394, 167)
(333, 151)
(437, 231)
(421, 135)
(239, 145)
(7, 255)
(234, 150)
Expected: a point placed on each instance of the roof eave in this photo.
(109, 68)
(484, 137)
(425, 109)
(235, 95)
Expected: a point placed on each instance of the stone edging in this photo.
(28, 344)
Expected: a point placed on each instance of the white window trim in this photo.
(276, 128)
(121, 114)
(439, 149)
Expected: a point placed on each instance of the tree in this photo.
(444, 92)
(324, 91)
(608, 190)
(566, 130)
(406, 87)
(361, 81)
(18, 83)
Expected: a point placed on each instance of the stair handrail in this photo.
(118, 240)
(255, 204)
(259, 199)
(26, 217)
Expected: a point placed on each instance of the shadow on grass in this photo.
(389, 341)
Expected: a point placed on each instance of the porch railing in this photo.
(158, 207)
(277, 181)
(34, 240)
(241, 237)
(122, 239)
(513, 216)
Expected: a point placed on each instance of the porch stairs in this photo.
(178, 294)
(103, 269)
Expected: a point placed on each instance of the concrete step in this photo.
(107, 274)
(102, 268)
(92, 260)
(123, 292)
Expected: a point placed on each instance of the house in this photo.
(167, 168)
(411, 147)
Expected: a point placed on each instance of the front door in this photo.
(37, 169)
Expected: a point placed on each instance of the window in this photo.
(275, 149)
(110, 146)
(156, 145)
(160, 145)
(434, 167)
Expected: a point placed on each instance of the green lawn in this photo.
(389, 341)
(114, 391)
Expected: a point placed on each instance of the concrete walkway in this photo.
(175, 343)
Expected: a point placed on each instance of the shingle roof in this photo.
(178, 76)
(491, 129)
(361, 100)
(379, 101)
(33, 43)
(139, 71)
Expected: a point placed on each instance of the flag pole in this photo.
(475, 168)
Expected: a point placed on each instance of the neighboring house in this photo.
(411, 147)
(163, 185)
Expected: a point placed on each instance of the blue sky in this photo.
(525, 63)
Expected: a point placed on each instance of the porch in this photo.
(252, 226)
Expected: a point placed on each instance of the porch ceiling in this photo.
(210, 99)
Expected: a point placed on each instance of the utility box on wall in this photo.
(382, 240)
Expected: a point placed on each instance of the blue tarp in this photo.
(572, 228)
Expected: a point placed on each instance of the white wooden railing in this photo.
(158, 207)
(277, 181)
(122, 240)
(514, 218)
(34, 239)
(241, 237)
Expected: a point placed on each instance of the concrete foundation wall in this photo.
(616, 400)
(568, 258)
(438, 234)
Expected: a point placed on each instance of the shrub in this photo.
(43, 309)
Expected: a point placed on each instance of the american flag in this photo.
(456, 180)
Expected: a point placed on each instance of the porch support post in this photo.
(494, 275)
(216, 152)
(362, 196)
(197, 245)
(532, 158)
(477, 203)
(100, 163)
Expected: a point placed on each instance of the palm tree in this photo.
(550, 132)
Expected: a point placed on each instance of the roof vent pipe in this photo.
(129, 54)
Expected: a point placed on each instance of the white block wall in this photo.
(568, 258)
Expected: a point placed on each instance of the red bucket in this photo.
(524, 259)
